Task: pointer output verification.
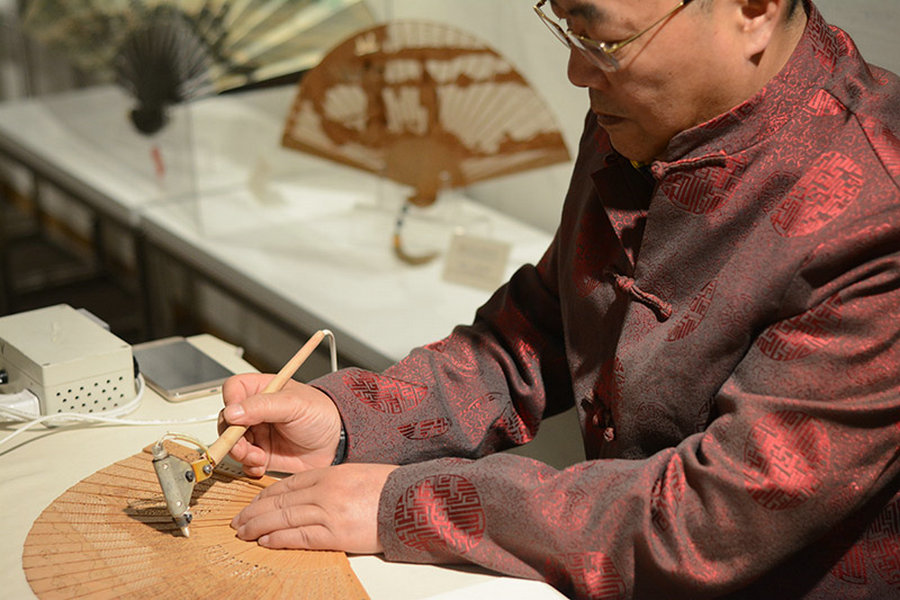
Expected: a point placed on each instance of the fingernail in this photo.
(235, 411)
(263, 541)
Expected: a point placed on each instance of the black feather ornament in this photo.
(162, 62)
(167, 52)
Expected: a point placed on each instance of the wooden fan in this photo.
(423, 104)
(111, 536)
(168, 51)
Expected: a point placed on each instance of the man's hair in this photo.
(793, 8)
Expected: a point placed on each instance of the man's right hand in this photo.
(293, 430)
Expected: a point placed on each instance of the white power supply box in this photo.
(68, 360)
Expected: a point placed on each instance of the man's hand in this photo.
(293, 430)
(334, 508)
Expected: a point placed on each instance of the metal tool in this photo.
(178, 473)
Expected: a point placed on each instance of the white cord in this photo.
(332, 345)
(65, 419)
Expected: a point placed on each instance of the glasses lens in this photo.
(555, 29)
(596, 55)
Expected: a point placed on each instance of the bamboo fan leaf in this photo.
(424, 104)
(164, 52)
(110, 536)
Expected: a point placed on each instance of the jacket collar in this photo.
(765, 112)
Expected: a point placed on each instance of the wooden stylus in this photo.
(223, 445)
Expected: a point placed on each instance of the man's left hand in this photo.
(334, 508)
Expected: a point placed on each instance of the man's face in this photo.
(683, 72)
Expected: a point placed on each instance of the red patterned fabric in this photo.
(727, 326)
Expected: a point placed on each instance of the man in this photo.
(720, 303)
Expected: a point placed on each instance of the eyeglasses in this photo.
(600, 53)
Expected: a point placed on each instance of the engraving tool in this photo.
(178, 474)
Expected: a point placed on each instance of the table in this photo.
(41, 464)
(323, 259)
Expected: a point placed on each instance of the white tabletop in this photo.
(41, 464)
(322, 258)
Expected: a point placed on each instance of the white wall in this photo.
(873, 25)
(511, 28)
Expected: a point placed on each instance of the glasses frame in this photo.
(600, 53)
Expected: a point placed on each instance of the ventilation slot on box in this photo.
(97, 396)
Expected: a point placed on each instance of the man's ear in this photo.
(761, 20)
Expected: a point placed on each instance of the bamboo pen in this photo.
(177, 476)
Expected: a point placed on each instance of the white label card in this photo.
(476, 262)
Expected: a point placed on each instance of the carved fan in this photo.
(111, 536)
(168, 51)
(423, 104)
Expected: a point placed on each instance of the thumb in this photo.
(276, 407)
(238, 388)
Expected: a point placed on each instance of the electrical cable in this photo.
(332, 348)
(67, 419)
(184, 438)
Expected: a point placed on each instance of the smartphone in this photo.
(177, 370)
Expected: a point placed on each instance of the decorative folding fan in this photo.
(169, 51)
(423, 104)
(111, 536)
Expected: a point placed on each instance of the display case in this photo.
(304, 240)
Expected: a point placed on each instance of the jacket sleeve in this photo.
(483, 388)
(801, 458)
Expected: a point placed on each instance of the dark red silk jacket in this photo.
(727, 324)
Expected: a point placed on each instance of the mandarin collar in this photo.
(769, 109)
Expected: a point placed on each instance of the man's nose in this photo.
(582, 72)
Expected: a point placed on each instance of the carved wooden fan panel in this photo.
(110, 536)
(425, 105)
